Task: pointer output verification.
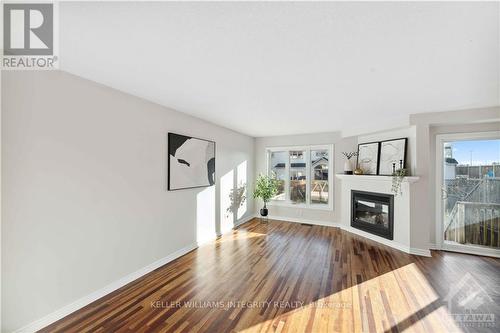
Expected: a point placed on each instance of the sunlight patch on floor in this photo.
(412, 305)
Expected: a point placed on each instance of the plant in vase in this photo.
(397, 178)
(347, 164)
(265, 188)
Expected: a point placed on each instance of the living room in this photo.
(250, 167)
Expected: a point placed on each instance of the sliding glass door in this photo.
(469, 177)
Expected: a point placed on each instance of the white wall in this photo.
(326, 217)
(84, 189)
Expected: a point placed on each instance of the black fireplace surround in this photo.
(373, 213)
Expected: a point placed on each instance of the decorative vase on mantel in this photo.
(347, 167)
(347, 164)
(358, 171)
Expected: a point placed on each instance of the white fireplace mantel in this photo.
(409, 179)
(402, 207)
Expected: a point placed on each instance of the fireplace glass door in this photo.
(372, 212)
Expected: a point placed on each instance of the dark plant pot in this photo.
(264, 211)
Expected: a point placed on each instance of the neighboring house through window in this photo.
(305, 175)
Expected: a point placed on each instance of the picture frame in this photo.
(191, 162)
(368, 157)
(392, 156)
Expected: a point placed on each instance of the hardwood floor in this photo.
(288, 277)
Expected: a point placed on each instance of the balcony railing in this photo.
(474, 223)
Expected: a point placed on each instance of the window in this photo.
(303, 174)
(278, 164)
(319, 176)
(297, 176)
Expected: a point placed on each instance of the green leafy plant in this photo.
(265, 188)
(397, 178)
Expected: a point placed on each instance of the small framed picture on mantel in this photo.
(392, 156)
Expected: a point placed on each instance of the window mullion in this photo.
(287, 177)
(308, 176)
(268, 163)
(331, 176)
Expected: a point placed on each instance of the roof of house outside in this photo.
(321, 159)
(293, 165)
(301, 164)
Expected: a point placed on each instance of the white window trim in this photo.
(331, 176)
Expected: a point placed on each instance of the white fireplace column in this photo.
(402, 216)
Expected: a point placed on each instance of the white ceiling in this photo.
(287, 68)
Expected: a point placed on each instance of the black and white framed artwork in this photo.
(392, 156)
(368, 157)
(191, 162)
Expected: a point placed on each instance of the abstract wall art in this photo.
(368, 157)
(191, 162)
(392, 156)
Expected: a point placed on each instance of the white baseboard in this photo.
(433, 246)
(244, 220)
(301, 220)
(80, 303)
(420, 252)
(471, 249)
(387, 242)
(393, 244)
(215, 235)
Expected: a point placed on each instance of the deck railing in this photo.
(474, 223)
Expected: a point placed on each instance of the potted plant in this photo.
(265, 188)
(397, 178)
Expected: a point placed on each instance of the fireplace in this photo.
(373, 213)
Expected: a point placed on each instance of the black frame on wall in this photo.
(404, 154)
(379, 152)
(169, 136)
(378, 155)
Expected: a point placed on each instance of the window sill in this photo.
(289, 204)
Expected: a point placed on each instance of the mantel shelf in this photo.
(408, 179)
